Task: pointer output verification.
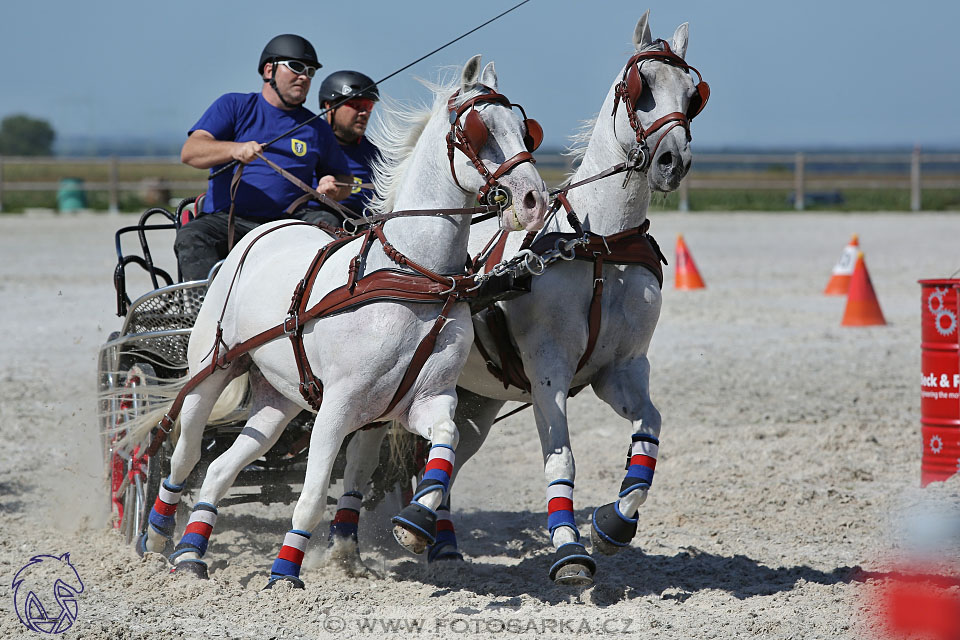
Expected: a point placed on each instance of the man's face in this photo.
(351, 118)
(292, 86)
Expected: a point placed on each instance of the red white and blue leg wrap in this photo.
(346, 521)
(641, 463)
(162, 515)
(560, 506)
(438, 470)
(290, 558)
(196, 536)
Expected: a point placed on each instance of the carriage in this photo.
(150, 351)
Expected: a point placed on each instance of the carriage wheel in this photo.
(133, 480)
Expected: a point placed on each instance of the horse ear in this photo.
(489, 76)
(641, 35)
(66, 557)
(680, 37)
(471, 73)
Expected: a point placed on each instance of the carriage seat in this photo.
(187, 211)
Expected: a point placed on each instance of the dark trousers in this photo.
(202, 243)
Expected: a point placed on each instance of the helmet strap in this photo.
(276, 89)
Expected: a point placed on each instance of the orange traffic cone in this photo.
(839, 282)
(687, 275)
(863, 308)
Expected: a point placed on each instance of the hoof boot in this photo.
(611, 531)
(195, 568)
(415, 527)
(573, 566)
(444, 552)
(293, 580)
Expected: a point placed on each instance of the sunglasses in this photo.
(360, 104)
(298, 67)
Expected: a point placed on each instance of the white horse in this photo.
(550, 326)
(362, 354)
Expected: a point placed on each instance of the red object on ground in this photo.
(687, 275)
(940, 380)
(863, 308)
(913, 608)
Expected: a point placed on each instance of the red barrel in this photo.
(940, 380)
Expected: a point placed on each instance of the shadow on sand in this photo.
(627, 575)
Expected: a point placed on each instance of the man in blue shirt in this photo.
(349, 123)
(233, 128)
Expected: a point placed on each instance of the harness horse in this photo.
(377, 315)
(590, 314)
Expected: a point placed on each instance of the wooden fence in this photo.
(801, 174)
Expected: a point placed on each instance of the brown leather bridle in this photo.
(629, 90)
(471, 135)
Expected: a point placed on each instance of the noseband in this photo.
(631, 86)
(471, 135)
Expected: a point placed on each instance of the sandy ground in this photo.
(788, 444)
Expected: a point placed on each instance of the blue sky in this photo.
(783, 74)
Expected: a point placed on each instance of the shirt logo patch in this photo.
(299, 147)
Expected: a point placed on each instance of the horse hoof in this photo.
(610, 530)
(444, 549)
(601, 545)
(574, 575)
(143, 540)
(573, 566)
(410, 540)
(141, 545)
(295, 582)
(450, 555)
(195, 568)
(415, 527)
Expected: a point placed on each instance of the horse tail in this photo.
(404, 447)
(130, 411)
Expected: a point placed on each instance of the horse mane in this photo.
(577, 148)
(397, 131)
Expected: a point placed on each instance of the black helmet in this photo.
(289, 47)
(342, 83)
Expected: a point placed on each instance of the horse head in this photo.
(490, 146)
(660, 98)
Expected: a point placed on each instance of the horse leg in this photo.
(474, 418)
(363, 455)
(415, 527)
(572, 564)
(269, 414)
(627, 391)
(193, 419)
(334, 420)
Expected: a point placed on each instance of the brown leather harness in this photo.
(422, 285)
(633, 246)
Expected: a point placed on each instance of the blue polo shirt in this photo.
(360, 156)
(263, 194)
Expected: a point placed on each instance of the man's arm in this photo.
(203, 151)
(326, 185)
